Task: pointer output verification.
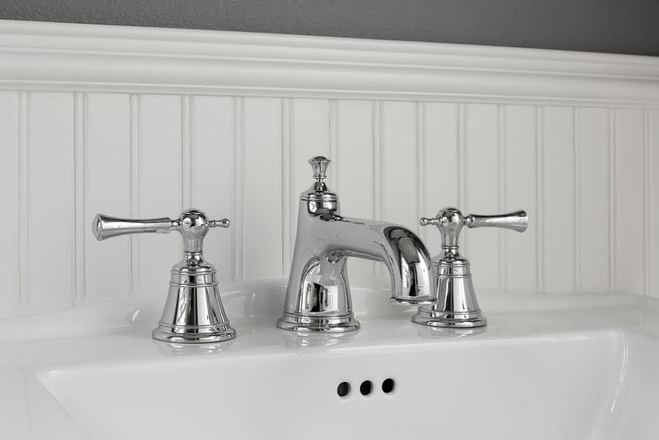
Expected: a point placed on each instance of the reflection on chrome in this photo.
(307, 340)
(185, 349)
(441, 332)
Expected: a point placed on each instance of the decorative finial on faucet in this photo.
(319, 166)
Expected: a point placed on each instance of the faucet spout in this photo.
(318, 293)
(401, 251)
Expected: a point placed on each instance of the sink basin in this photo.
(541, 388)
(546, 367)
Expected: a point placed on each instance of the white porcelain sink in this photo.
(546, 367)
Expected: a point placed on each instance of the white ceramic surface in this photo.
(547, 367)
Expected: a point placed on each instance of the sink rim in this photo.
(264, 297)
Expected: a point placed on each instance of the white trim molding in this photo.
(57, 56)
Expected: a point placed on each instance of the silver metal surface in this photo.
(318, 294)
(193, 312)
(456, 305)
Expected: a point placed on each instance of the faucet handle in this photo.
(193, 312)
(449, 222)
(457, 306)
(192, 224)
(515, 221)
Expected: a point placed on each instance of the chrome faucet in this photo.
(318, 294)
(193, 312)
(456, 305)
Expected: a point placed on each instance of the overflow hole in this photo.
(343, 389)
(366, 387)
(388, 385)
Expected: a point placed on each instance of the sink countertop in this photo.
(117, 335)
(120, 331)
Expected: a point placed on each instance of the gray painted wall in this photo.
(619, 26)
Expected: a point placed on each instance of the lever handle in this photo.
(105, 226)
(192, 224)
(449, 222)
(515, 221)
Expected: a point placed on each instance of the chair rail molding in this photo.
(145, 122)
(58, 56)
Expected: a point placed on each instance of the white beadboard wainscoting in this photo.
(145, 122)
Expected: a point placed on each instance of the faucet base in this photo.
(416, 301)
(193, 313)
(444, 319)
(194, 334)
(312, 324)
(456, 305)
